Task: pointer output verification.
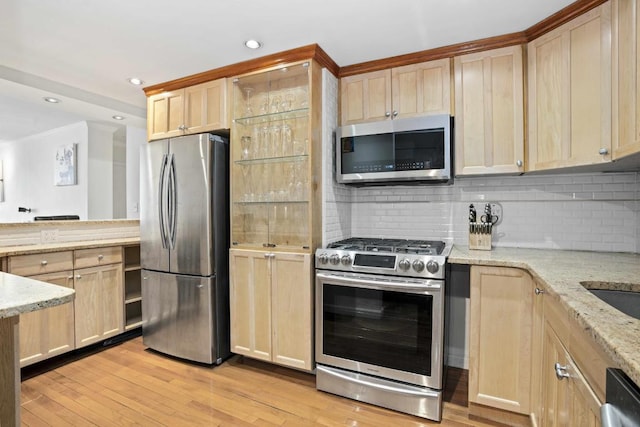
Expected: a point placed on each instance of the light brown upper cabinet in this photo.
(626, 78)
(570, 93)
(408, 91)
(191, 110)
(489, 104)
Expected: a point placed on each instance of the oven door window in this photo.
(383, 328)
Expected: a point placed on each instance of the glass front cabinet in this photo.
(273, 179)
(275, 211)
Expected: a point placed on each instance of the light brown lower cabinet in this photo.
(271, 307)
(48, 332)
(501, 331)
(530, 362)
(567, 398)
(98, 303)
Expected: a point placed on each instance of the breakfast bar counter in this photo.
(19, 295)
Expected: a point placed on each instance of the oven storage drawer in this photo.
(419, 401)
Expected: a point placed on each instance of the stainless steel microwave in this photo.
(416, 149)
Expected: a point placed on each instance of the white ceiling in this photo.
(84, 50)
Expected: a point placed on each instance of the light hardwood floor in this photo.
(126, 385)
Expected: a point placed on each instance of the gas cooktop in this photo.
(419, 247)
(397, 257)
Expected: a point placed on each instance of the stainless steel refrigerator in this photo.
(184, 243)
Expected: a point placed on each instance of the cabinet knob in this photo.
(182, 127)
(519, 163)
(70, 277)
(43, 262)
(78, 277)
(603, 151)
(269, 255)
(538, 291)
(387, 114)
(395, 113)
(100, 257)
(561, 371)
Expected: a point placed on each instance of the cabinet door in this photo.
(555, 393)
(48, 332)
(205, 106)
(501, 318)
(421, 89)
(567, 397)
(626, 78)
(292, 309)
(165, 115)
(570, 93)
(98, 304)
(489, 112)
(365, 97)
(250, 303)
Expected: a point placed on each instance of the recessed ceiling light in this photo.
(51, 99)
(117, 117)
(252, 44)
(135, 81)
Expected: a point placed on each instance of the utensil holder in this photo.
(480, 235)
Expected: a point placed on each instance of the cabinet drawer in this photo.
(30, 265)
(97, 256)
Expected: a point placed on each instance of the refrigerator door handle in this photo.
(172, 205)
(161, 201)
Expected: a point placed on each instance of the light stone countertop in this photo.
(23, 295)
(62, 246)
(561, 272)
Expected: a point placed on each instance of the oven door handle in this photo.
(397, 286)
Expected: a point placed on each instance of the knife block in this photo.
(480, 236)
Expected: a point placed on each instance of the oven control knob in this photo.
(404, 264)
(334, 259)
(418, 265)
(323, 258)
(432, 267)
(346, 260)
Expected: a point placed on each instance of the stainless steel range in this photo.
(380, 322)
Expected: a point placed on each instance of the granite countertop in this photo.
(561, 273)
(61, 246)
(23, 295)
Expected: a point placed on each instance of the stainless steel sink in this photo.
(622, 296)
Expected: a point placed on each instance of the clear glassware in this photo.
(264, 105)
(275, 104)
(265, 142)
(245, 144)
(276, 141)
(247, 184)
(287, 139)
(248, 110)
(289, 99)
(257, 142)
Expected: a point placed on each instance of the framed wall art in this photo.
(65, 169)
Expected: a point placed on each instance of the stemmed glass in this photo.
(248, 112)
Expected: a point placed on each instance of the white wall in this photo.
(102, 175)
(29, 175)
(136, 139)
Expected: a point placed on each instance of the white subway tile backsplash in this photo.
(582, 212)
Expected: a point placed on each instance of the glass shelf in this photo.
(273, 117)
(266, 160)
